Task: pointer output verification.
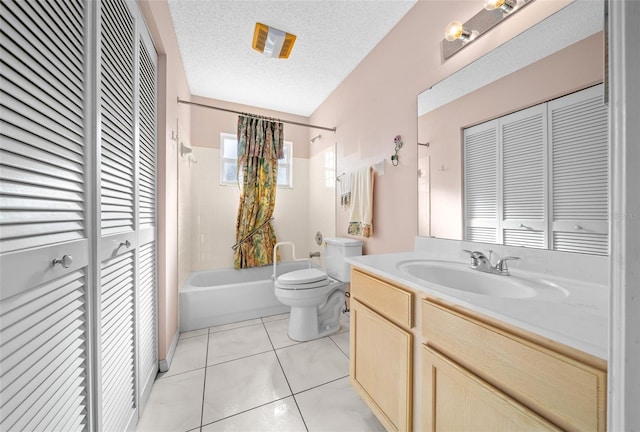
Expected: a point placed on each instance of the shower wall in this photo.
(214, 209)
(207, 230)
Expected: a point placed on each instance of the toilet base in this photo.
(308, 332)
(311, 322)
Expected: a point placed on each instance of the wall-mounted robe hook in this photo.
(398, 142)
(185, 150)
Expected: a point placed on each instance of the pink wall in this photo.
(378, 101)
(571, 69)
(171, 84)
(207, 124)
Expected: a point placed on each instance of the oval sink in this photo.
(460, 277)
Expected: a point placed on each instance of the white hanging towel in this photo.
(361, 215)
(345, 191)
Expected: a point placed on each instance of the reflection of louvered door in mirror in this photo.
(523, 138)
(44, 217)
(481, 183)
(539, 177)
(578, 126)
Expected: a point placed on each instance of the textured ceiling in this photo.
(333, 37)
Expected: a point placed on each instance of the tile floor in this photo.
(249, 376)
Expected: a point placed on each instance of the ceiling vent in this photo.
(272, 42)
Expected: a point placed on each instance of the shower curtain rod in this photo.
(180, 101)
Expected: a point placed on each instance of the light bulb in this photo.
(455, 30)
(505, 5)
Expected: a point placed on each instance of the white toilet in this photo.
(315, 296)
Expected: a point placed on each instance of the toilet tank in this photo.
(334, 256)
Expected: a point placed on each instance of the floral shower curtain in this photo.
(260, 145)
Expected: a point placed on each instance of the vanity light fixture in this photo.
(459, 35)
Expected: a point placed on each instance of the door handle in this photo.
(65, 261)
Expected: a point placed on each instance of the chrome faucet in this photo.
(480, 262)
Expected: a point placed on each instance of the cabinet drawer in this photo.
(567, 392)
(388, 300)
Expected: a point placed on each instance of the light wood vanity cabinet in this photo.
(381, 351)
(478, 375)
(471, 372)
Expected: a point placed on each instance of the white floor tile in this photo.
(191, 354)
(234, 325)
(237, 343)
(342, 340)
(312, 363)
(192, 333)
(275, 317)
(175, 404)
(336, 407)
(279, 416)
(243, 384)
(278, 333)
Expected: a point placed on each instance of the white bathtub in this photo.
(217, 297)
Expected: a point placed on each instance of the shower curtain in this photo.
(260, 145)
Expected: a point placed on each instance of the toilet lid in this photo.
(303, 279)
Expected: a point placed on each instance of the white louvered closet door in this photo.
(578, 126)
(44, 312)
(481, 191)
(117, 241)
(147, 304)
(523, 140)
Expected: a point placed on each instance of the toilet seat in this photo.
(303, 279)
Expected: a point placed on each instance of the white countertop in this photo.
(579, 320)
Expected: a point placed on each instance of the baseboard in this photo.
(165, 364)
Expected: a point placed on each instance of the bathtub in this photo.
(215, 297)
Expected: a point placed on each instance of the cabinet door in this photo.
(380, 366)
(456, 400)
(44, 307)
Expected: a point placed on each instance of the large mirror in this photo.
(563, 54)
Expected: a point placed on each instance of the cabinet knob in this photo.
(65, 261)
(577, 227)
(125, 243)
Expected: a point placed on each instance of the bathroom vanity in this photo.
(427, 357)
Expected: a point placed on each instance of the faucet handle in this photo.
(501, 265)
(476, 257)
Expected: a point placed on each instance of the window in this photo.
(229, 162)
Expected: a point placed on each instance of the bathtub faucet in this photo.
(314, 254)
